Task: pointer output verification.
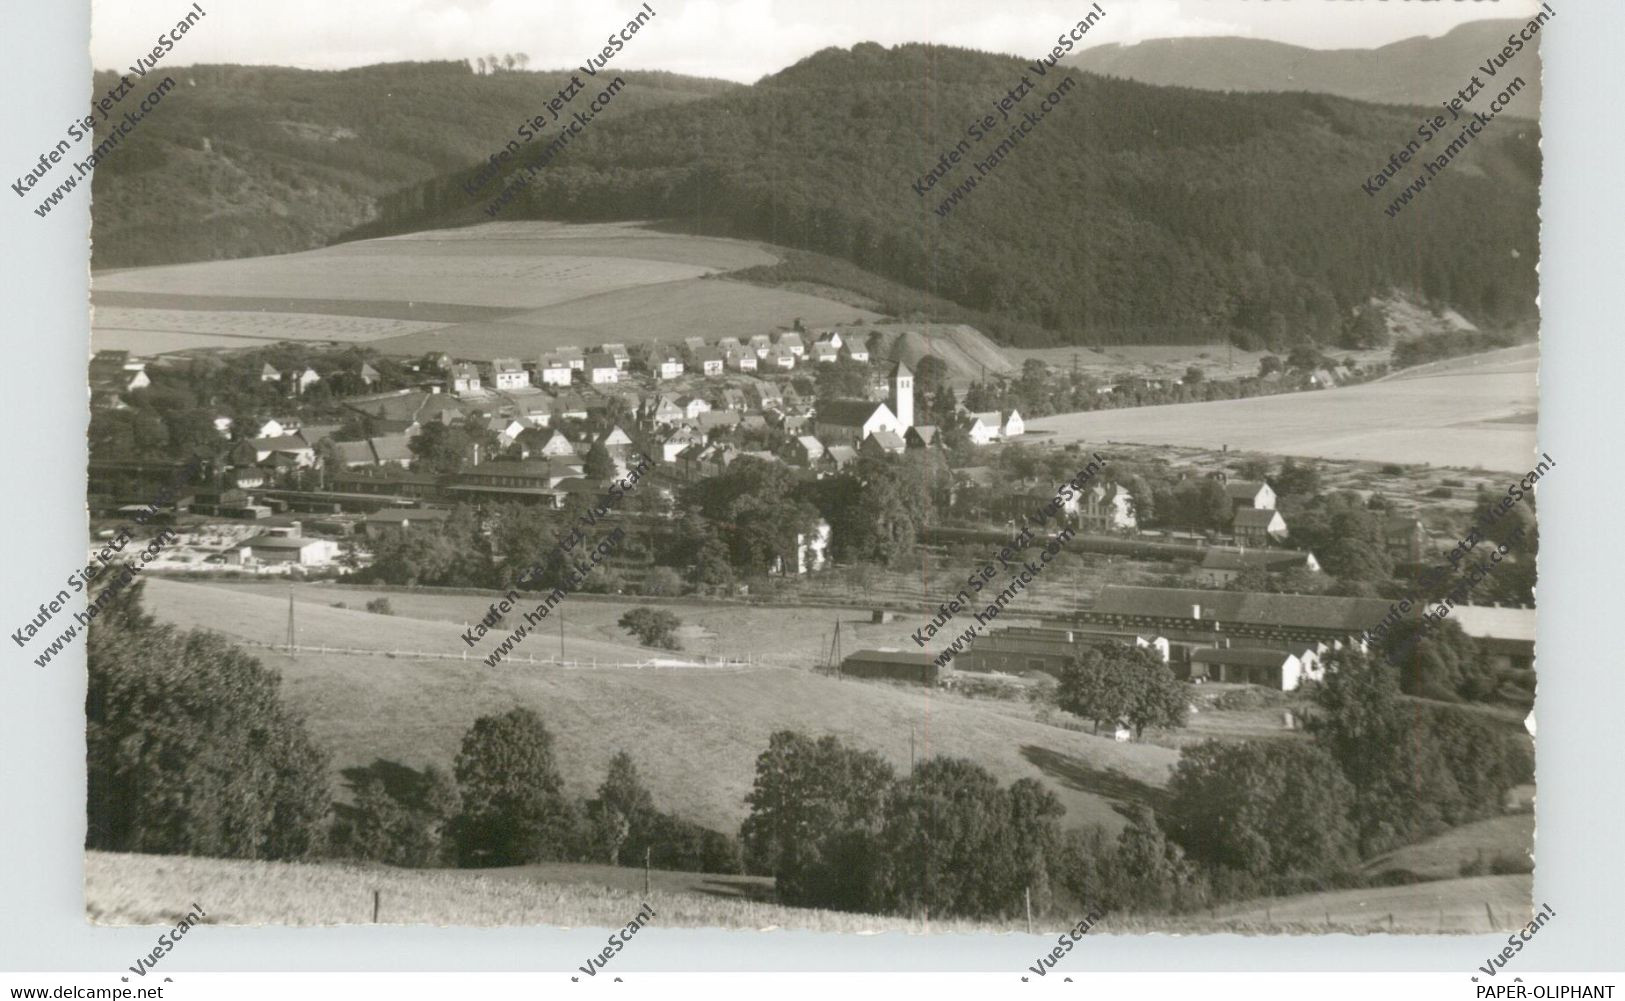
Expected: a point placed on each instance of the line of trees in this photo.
(191, 751)
(838, 828)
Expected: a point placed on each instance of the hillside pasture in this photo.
(1455, 414)
(118, 327)
(694, 734)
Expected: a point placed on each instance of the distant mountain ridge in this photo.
(1422, 70)
(251, 160)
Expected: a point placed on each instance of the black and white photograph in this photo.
(1060, 471)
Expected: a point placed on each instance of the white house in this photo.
(464, 379)
(554, 370)
(602, 370)
(507, 373)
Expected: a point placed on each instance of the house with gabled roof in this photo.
(1250, 493)
(761, 344)
(557, 446)
(805, 451)
(779, 359)
(791, 341)
(838, 457)
(667, 412)
(602, 370)
(463, 379)
(1258, 526)
(506, 374)
(921, 436)
(367, 374)
(708, 361)
(623, 357)
(554, 370)
(693, 406)
(824, 354)
(302, 379)
(742, 360)
(269, 374)
(855, 350)
(572, 355)
(882, 442)
(678, 442)
(663, 362)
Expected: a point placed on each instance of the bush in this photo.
(1510, 864)
(1392, 469)
(662, 582)
(380, 606)
(654, 627)
(1449, 482)
(338, 604)
(1442, 493)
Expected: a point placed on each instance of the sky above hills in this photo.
(740, 40)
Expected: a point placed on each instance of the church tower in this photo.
(902, 396)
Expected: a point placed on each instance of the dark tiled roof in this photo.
(1255, 517)
(1312, 611)
(1250, 658)
(892, 657)
(846, 413)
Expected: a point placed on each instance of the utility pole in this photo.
(911, 747)
(646, 873)
(561, 634)
(290, 622)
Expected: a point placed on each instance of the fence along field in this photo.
(695, 734)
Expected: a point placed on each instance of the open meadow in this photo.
(519, 288)
(119, 887)
(694, 733)
(1468, 412)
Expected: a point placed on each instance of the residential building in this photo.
(554, 370)
(463, 379)
(1258, 527)
(882, 442)
(1247, 493)
(623, 357)
(921, 436)
(602, 369)
(707, 361)
(507, 374)
(1221, 565)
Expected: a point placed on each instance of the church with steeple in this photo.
(849, 422)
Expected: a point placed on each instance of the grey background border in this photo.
(1580, 868)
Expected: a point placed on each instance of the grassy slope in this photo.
(118, 887)
(694, 734)
(1441, 857)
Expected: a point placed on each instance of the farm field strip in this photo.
(1438, 418)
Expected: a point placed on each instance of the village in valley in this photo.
(320, 462)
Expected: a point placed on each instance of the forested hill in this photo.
(246, 160)
(1411, 71)
(1132, 213)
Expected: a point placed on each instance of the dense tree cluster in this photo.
(1171, 256)
(190, 749)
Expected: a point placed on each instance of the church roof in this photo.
(847, 413)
